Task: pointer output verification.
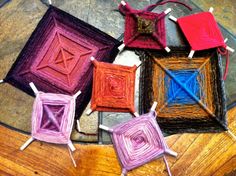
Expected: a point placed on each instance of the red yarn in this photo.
(202, 32)
(149, 38)
(225, 53)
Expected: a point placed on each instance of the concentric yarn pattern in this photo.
(113, 87)
(189, 92)
(57, 57)
(138, 141)
(143, 29)
(52, 117)
(205, 29)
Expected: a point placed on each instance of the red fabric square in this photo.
(201, 31)
(113, 87)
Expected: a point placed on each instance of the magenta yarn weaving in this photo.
(52, 117)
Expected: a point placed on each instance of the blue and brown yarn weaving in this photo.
(189, 92)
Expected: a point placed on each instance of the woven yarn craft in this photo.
(52, 118)
(145, 29)
(113, 88)
(57, 56)
(139, 141)
(190, 93)
(202, 32)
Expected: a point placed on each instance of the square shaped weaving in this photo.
(201, 31)
(113, 87)
(53, 117)
(143, 29)
(139, 141)
(189, 92)
(57, 56)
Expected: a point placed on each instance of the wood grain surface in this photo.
(198, 154)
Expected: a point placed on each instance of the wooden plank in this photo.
(198, 154)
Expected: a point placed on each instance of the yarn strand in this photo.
(72, 158)
(225, 53)
(152, 6)
(167, 165)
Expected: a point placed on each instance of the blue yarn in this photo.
(175, 94)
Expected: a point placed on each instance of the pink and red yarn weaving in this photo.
(145, 29)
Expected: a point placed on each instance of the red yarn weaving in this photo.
(201, 31)
(143, 29)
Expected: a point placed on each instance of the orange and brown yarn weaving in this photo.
(113, 87)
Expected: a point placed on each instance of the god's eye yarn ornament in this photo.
(202, 32)
(52, 118)
(113, 88)
(145, 29)
(190, 93)
(139, 141)
(57, 56)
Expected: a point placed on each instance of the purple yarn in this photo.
(139, 141)
(52, 117)
(57, 57)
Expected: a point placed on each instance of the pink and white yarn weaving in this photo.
(52, 118)
(139, 141)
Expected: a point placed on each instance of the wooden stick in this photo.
(167, 49)
(104, 127)
(153, 108)
(78, 126)
(77, 94)
(123, 3)
(33, 87)
(173, 18)
(211, 9)
(89, 111)
(92, 58)
(167, 11)
(136, 114)
(226, 39)
(230, 49)
(171, 152)
(71, 146)
(190, 56)
(26, 143)
(121, 47)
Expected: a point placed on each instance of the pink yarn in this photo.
(52, 117)
(139, 141)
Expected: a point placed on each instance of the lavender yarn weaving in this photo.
(52, 118)
(139, 141)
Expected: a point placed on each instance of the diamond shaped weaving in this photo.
(57, 56)
(113, 87)
(201, 31)
(139, 141)
(52, 117)
(189, 92)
